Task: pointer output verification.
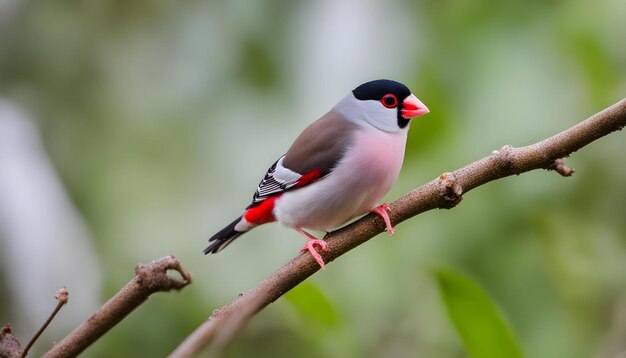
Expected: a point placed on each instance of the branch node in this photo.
(62, 295)
(505, 158)
(154, 275)
(449, 190)
(9, 344)
(560, 167)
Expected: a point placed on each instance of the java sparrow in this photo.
(338, 168)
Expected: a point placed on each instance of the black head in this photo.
(390, 93)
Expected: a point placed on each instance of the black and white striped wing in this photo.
(277, 180)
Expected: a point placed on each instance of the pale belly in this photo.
(354, 188)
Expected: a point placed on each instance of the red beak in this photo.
(413, 107)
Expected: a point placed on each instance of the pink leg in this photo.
(381, 211)
(311, 243)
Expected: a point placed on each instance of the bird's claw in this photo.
(311, 245)
(381, 211)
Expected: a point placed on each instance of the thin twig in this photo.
(444, 192)
(61, 296)
(149, 279)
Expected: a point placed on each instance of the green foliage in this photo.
(312, 304)
(476, 318)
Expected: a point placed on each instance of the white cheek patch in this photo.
(379, 116)
(371, 112)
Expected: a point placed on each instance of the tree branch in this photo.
(149, 279)
(445, 192)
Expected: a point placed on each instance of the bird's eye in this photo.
(389, 100)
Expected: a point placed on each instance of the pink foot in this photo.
(381, 211)
(311, 245)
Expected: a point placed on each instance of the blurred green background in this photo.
(160, 117)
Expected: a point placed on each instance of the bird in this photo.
(337, 169)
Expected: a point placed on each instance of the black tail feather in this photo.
(223, 238)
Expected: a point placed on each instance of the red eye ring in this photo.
(389, 100)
